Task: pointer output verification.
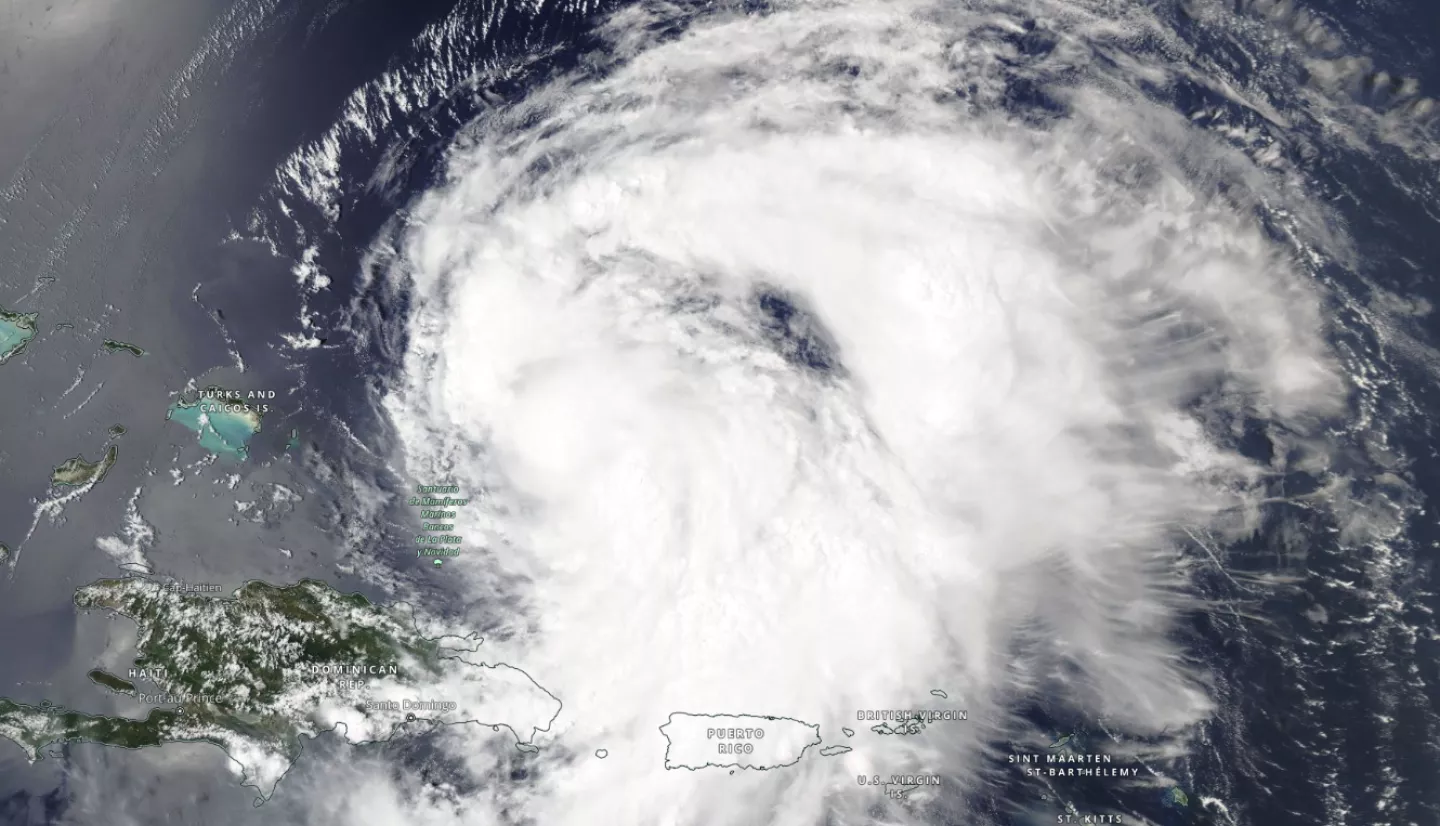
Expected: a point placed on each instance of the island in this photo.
(35, 727)
(746, 741)
(256, 672)
(76, 472)
(16, 331)
(225, 420)
(833, 751)
(116, 431)
(912, 722)
(902, 727)
(113, 346)
(110, 681)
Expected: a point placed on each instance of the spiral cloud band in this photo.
(804, 363)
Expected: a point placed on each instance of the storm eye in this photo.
(795, 333)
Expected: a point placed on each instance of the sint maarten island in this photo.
(256, 672)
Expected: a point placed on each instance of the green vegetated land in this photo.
(76, 472)
(113, 346)
(240, 655)
(111, 682)
(35, 727)
(246, 671)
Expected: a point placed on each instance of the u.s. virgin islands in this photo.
(257, 671)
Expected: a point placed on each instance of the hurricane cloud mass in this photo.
(802, 362)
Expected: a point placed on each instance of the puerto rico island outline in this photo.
(746, 741)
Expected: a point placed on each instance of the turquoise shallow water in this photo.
(13, 337)
(225, 434)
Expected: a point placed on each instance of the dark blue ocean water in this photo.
(1325, 657)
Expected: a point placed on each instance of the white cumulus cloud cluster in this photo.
(798, 368)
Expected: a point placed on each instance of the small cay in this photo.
(113, 346)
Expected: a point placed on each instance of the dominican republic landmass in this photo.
(255, 672)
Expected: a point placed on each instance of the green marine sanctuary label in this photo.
(438, 509)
